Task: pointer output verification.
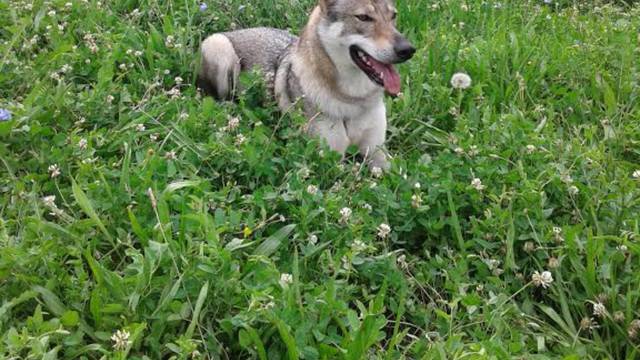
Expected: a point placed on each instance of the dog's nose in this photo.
(404, 50)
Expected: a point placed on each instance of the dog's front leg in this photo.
(374, 132)
(331, 130)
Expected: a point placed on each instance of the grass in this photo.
(173, 235)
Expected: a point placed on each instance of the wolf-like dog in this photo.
(339, 68)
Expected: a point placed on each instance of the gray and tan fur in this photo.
(340, 67)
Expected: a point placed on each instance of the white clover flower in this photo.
(458, 150)
(402, 261)
(417, 186)
(52, 13)
(137, 53)
(313, 239)
(233, 123)
(54, 170)
(545, 279)
(566, 178)
(170, 155)
(358, 246)
(460, 81)
(636, 174)
(312, 189)
(49, 201)
(531, 149)
(82, 144)
(383, 230)
(66, 68)
(174, 93)
(234, 243)
(285, 280)
(376, 172)
(622, 248)
(122, 66)
(367, 207)
(141, 127)
(477, 184)
(618, 316)
(599, 309)
(153, 137)
(178, 80)
(345, 214)
(110, 99)
(416, 201)
(169, 40)
(573, 190)
(120, 340)
(304, 173)
(588, 324)
(240, 139)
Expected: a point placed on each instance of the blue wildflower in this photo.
(203, 7)
(5, 115)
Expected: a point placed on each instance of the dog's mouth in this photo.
(380, 73)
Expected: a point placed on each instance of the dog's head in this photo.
(365, 32)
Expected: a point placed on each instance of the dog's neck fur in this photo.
(315, 58)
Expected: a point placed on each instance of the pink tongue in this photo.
(390, 77)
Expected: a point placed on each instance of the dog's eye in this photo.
(365, 18)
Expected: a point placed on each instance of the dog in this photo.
(338, 69)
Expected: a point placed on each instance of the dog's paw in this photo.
(379, 164)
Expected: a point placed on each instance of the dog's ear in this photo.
(325, 5)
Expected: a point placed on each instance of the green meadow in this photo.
(140, 219)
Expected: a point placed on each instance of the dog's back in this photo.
(224, 55)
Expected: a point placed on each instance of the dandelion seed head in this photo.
(460, 81)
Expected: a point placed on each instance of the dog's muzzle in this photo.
(403, 49)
